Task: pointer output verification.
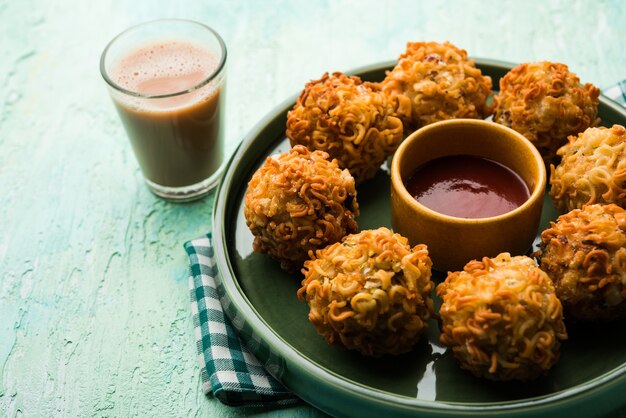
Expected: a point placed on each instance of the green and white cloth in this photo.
(228, 368)
(617, 92)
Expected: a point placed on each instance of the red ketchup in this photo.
(467, 186)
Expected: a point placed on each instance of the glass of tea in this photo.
(167, 81)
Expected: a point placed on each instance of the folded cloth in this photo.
(617, 92)
(229, 370)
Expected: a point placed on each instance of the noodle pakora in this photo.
(350, 120)
(592, 169)
(546, 103)
(584, 253)
(370, 293)
(433, 82)
(297, 202)
(501, 318)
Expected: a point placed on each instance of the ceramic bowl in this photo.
(452, 241)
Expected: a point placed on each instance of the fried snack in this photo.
(433, 82)
(350, 120)
(370, 293)
(592, 169)
(584, 253)
(297, 202)
(502, 319)
(545, 102)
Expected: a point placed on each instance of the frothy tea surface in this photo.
(164, 68)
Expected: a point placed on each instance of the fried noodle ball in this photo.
(350, 120)
(433, 82)
(370, 293)
(299, 201)
(502, 318)
(545, 102)
(584, 253)
(592, 169)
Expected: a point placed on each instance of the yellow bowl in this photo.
(452, 241)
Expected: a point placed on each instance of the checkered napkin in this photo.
(617, 92)
(229, 370)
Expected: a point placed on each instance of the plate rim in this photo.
(239, 308)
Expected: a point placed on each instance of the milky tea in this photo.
(169, 95)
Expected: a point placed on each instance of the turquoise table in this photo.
(94, 306)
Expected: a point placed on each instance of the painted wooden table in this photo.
(94, 305)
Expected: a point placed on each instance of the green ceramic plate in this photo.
(590, 378)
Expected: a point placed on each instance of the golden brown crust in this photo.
(370, 293)
(592, 169)
(501, 317)
(545, 102)
(297, 202)
(584, 253)
(350, 120)
(434, 82)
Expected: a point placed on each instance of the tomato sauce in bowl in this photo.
(467, 186)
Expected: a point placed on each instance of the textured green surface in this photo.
(94, 312)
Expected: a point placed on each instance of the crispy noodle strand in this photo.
(546, 103)
(592, 169)
(434, 82)
(297, 202)
(370, 293)
(502, 318)
(584, 253)
(350, 120)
